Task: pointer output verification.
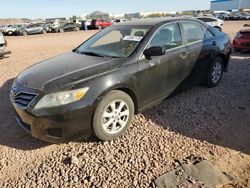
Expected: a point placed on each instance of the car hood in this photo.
(62, 71)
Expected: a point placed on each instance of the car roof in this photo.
(155, 21)
(207, 17)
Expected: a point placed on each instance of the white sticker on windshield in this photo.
(133, 38)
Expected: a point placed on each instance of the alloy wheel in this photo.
(115, 116)
(216, 72)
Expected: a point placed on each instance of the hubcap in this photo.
(217, 71)
(115, 117)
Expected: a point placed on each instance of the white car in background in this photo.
(3, 44)
(212, 21)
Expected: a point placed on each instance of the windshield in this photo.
(115, 41)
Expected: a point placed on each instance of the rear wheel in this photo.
(218, 28)
(25, 33)
(100, 27)
(113, 115)
(215, 73)
(44, 31)
(9, 33)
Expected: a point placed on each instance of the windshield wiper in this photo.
(92, 54)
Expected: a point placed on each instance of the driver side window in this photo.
(168, 36)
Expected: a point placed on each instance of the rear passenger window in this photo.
(193, 31)
(168, 36)
(207, 33)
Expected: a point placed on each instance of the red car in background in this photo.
(242, 40)
(100, 23)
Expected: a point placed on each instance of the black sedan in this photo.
(122, 70)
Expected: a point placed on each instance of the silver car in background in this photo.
(38, 28)
(3, 44)
(212, 21)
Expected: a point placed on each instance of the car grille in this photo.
(23, 99)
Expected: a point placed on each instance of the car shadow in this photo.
(219, 115)
(11, 135)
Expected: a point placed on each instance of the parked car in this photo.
(123, 69)
(100, 23)
(12, 29)
(244, 16)
(234, 16)
(222, 16)
(2, 27)
(214, 22)
(70, 26)
(120, 20)
(38, 28)
(242, 40)
(3, 45)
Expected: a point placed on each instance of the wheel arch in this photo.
(225, 58)
(123, 88)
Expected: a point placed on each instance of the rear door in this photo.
(29, 29)
(158, 77)
(199, 46)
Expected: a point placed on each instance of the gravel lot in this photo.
(211, 123)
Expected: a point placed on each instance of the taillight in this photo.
(5, 42)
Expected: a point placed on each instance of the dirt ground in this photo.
(212, 123)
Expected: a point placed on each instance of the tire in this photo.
(100, 27)
(215, 73)
(9, 33)
(117, 120)
(218, 28)
(25, 33)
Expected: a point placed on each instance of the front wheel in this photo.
(44, 31)
(215, 73)
(113, 115)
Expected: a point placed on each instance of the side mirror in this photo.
(154, 51)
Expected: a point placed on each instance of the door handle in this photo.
(184, 55)
(214, 43)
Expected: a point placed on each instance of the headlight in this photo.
(61, 98)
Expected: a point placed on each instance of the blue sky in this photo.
(56, 8)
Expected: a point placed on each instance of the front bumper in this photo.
(56, 125)
(56, 128)
(241, 43)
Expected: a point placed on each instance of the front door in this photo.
(158, 77)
